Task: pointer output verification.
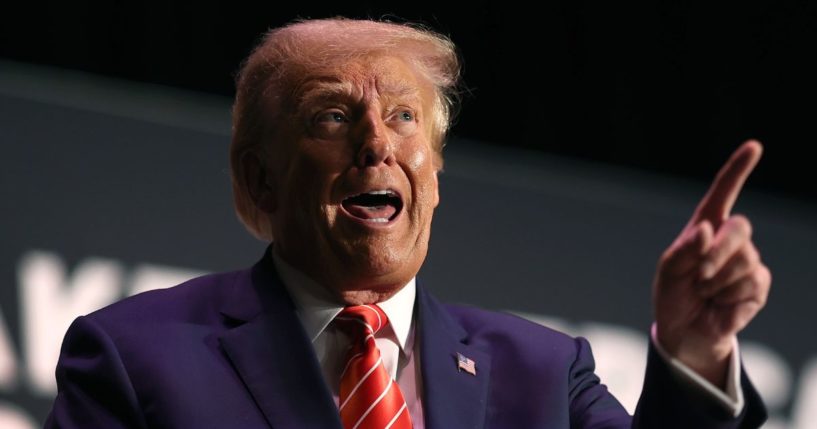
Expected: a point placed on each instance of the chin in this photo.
(384, 265)
(380, 261)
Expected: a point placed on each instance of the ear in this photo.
(259, 182)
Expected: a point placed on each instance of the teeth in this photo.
(376, 192)
(378, 220)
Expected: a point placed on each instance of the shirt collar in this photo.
(317, 308)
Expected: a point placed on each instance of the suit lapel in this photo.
(451, 398)
(272, 354)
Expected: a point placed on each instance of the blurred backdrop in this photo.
(588, 133)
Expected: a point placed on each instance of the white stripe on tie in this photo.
(371, 407)
(369, 327)
(394, 419)
(362, 379)
(376, 313)
(349, 363)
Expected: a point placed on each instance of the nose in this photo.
(375, 145)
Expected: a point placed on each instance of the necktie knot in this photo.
(362, 320)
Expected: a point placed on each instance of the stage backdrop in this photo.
(111, 188)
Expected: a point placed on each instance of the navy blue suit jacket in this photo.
(228, 351)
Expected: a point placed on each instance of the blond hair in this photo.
(285, 54)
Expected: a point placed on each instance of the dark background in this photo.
(667, 86)
(588, 133)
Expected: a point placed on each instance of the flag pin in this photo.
(465, 364)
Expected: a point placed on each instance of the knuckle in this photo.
(760, 285)
(668, 257)
(741, 224)
(765, 276)
(753, 253)
(749, 255)
(755, 279)
(761, 296)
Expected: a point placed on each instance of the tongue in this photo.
(385, 211)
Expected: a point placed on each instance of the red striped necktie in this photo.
(369, 397)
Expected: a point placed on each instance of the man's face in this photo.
(355, 176)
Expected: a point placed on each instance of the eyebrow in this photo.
(332, 89)
(324, 90)
(399, 89)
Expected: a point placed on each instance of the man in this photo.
(338, 132)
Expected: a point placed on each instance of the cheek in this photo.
(418, 157)
(319, 162)
(323, 156)
(309, 183)
(420, 164)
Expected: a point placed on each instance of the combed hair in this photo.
(286, 54)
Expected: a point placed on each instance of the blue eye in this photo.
(403, 121)
(330, 124)
(336, 117)
(406, 116)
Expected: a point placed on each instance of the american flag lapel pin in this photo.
(465, 364)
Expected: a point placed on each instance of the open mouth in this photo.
(378, 206)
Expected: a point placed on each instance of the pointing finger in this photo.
(719, 200)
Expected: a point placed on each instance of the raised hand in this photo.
(710, 282)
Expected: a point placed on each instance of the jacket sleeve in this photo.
(592, 406)
(668, 402)
(93, 387)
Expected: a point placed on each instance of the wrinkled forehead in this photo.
(370, 76)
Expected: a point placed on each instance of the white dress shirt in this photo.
(731, 399)
(317, 308)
